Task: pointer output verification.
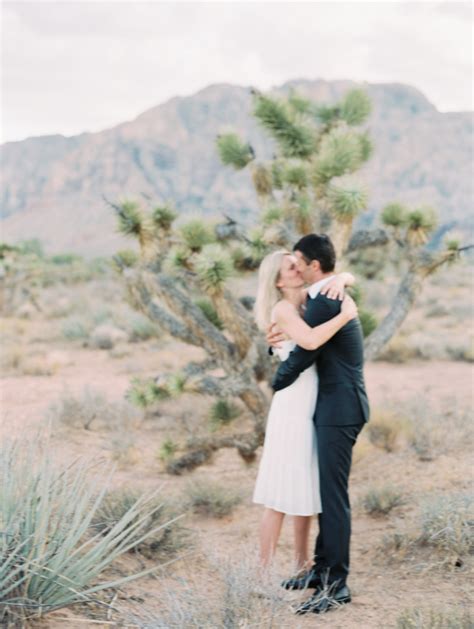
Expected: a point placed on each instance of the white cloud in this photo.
(74, 66)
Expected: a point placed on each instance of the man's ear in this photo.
(315, 266)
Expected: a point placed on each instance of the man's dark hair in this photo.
(317, 247)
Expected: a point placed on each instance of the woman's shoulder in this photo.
(283, 308)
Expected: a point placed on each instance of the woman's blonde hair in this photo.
(267, 293)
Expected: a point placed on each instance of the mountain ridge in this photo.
(53, 185)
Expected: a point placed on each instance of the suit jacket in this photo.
(342, 399)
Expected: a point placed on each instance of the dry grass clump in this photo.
(165, 542)
(435, 619)
(431, 431)
(384, 429)
(398, 351)
(123, 449)
(208, 498)
(92, 407)
(381, 500)
(442, 536)
(362, 448)
(447, 524)
(232, 597)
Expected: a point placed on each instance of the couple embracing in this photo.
(318, 409)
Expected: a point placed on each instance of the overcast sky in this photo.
(69, 66)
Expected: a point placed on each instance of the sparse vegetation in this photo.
(384, 429)
(222, 413)
(167, 450)
(164, 542)
(447, 524)
(381, 500)
(91, 408)
(48, 560)
(211, 499)
(236, 596)
(446, 618)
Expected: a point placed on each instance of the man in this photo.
(341, 410)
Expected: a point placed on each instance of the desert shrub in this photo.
(368, 321)
(102, 315)
(447, 524)
(384, 429)
(361, 449)
(381, 500)
(432, 431)
(91, 407)
(223, 412)
(164, 542)
(167, 450)
(435, 619)
(461, 353)
(437, 310)
(210, 499)
(398, 351)
(65, 258)
(49, 555)
(11, 357)
(76, 329)
(123, 449)
(234, 596)
(145, 393)
(141, 328)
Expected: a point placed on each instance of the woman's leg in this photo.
(269, 533)
(301, 527)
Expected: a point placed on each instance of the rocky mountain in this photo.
(53, 186)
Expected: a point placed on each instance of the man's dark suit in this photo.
(342, 409)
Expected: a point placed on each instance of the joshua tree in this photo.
(181, 276)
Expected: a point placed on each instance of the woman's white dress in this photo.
(288, 476)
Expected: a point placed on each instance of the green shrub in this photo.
(222, 413)
(167, 450)
(368, 322)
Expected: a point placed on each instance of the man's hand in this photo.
(274, 335)
(334, 289)
(349, 308)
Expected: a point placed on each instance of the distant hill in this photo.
(52, 186)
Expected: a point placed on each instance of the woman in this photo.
(288, 477)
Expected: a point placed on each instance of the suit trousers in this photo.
(335, 445)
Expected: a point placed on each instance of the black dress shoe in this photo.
(324, 600)
(303, 580)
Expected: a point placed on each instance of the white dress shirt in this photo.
(314, 289)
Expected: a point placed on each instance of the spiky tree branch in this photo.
(181, 280)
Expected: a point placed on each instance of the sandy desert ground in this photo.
(431, 394)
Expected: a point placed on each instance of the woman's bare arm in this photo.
(334, 289)
(290, 322)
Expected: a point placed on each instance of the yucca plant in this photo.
(50, 557)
